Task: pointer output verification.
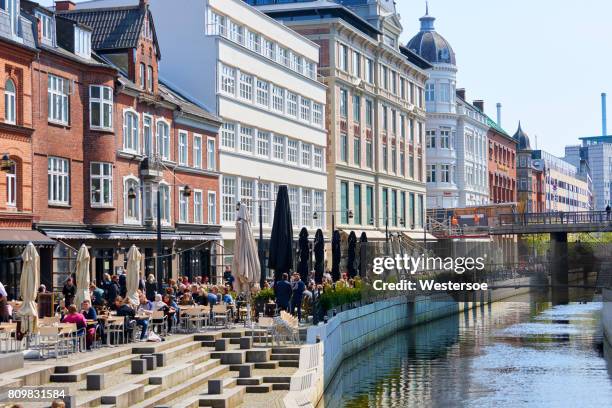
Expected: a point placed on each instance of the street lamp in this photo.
(6, 164)
(349, 214)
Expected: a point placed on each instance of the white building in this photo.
(260, 77)
(456, 131)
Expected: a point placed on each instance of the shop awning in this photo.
(373, 235)
(418, 236)
(22, 237)
(80, 234)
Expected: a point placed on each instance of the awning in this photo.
(79, 234)
(373, 235)
(418, 236)
(138, 235)
(22, 237)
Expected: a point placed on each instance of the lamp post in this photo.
(6, 164)
(349, 214)
(386, 219)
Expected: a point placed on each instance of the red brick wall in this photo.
(502, 168)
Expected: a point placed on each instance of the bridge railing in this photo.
(557, 217)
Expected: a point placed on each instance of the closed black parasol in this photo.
(363, 248)
(336, 254)
(281, 241)
(304, 255)
(319, 254)
(352, 245)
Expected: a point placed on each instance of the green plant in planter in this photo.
(265, 295)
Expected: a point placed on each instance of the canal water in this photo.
(525, 352)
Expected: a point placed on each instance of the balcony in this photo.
(150, 170)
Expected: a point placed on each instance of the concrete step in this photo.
(104, 367)
(232, 334)
(285, 357)
(286, 363)
(171, 342)
(124, 395)
(172, 376)
(286, 350)
(258, 389)
(32, 375)
(229, 398)
(230, 357)
(277, 379)
(181, 350)
(261, 355)
(281, 387)
(207, 336)
(269, 365)
(87, 360)
(249, 381)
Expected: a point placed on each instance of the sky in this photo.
(545, 61)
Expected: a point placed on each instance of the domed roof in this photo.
(430, 45)
(522, 138)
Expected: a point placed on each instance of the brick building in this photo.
(92, 135)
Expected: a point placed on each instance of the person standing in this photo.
(69, 290)
(282, 291)
(151, 287)
(608, 210)
(228, 278)
(298, 288)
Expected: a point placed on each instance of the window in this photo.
(246, 139)
(305, 109)
(394, 82)
(228, 80)
(11, 186)
(357, 204)
(344, 103)
(46, 27)
(198, 207)
(82, 42)
(163, 140)
(403, 209)
(228, 135)
(394, 207)
(356, 108)
(385, 205)
(394, 121)
(292, 104)
(130, 131)
(236, 32)
(306, 207)
(318, 158)
(344, 147)
(58, 99)
(263, 94)
(370, 204)
(247, 191)
(10, 115)
(306, 155)
(357, 151)
(283, 56)
(131, 193)
(294, 193)
(183, 206)
(384, 72)
(59, 181)
(369, 71)
(411, 166)
(268, 49)
(319, 208)
(369, 154)
(263, 144)
(165, 203)
(394, 159)
(12, 7)
(278, 99)
(430, 139)
(357, 64)
(254, 42)
(444, 173)
(101, 107)
(402, 163)
(317, 114)
(344, 202)
(292, 151)
(101, 184)
(212, 207)
(343, 57)
(385, 118)
(246, 86)
(402, 124)
(445, 139)
(150, 78)
(147, 135)
(445, 94)
(197, 151)
(296, 63)
(264, 197)
(430, 90)
(369, 113)
(431, 173)
(142, 75)
(279, 147)
(211, 155)
(182, 148)
(411, 210)
(385, 158)
(228, 196)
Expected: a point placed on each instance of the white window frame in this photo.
(279, 149)
(133, 134)
(198, 214)
(197, 151)
(212, 212)
(245, 86)
(58, 181)
(263, 93)
(183, 148)
(262, 145)
(82, 42)
(293, 147)
(246, 139)
(228, 80)
(10, 102)
(46, 27)
(147, 123)
(127, 219)
(150, 78)
(228, 136)
(162, 142)
(211, 154)
(228, 199)
(318, 158)
(102, 177)
(11, 186)
(58, 100)
(106, 107)
(166, 204)
(183, 205)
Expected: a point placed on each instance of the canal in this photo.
(525, 352)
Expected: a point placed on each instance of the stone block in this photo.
(246, 343)
(139, 366)
(161, 359)
(151, 361)
(215, 387)
(95, 381)
(220, 344)
(10, 362)
(245, 371)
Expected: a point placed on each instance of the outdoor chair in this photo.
(115, 328)
(219, 314)
(266, 328)
(48, 338)
(196, 318)
(8, 337)
(158, 321)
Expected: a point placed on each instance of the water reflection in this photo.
(524, 353)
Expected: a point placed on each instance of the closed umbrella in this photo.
(352, 246)
(336, 254)
(304, 253)
(245, 266)
(281, 240)
(82, 276)
(319, 253)
(133, 274)
(363, 246)
(28, 287)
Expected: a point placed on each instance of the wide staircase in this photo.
(213, 369)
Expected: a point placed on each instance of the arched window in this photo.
(130, 131)
(165, 202)
(11, 186)
(10, 114)
(132, 199)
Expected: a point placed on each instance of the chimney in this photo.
(143, 3)
(461, 93)
(604, 115)
(479, 103)
(499, 106)
(64, 5)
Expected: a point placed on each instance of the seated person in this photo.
(213, 299)
(73, 316)
(90, 313)
(227, 297)
(173, 310)
(124, 308)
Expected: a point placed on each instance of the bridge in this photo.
(552, 222)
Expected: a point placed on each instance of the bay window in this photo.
(100, 107)
(101, 184)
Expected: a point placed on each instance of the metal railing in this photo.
(558, 217)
